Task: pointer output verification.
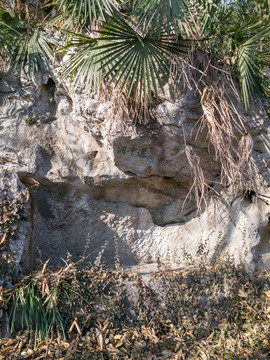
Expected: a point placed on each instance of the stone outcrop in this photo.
(87, 187)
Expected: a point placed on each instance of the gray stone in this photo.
(96, 190)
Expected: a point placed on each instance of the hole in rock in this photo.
(93, 154)
(50, 82)
(49, 87)
(249, 195)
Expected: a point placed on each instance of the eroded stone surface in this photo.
(93, 189)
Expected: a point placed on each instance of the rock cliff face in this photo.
(88, 187)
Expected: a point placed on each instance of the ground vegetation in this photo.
(198, 312)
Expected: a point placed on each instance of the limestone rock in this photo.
(96, 190)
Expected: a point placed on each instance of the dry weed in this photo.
(226, 130)
(209, 312)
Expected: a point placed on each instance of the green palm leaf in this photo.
(6, 23)
(87, 10)
(249, 59)
(33, 48)
(83, 65)
(26, 44)
(140, 63)
(162, 15)
(207, 15)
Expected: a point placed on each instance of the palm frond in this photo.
(5, 21)
(210, 16)
(26, 44)
(251, 75)
(87, 10)
(140, 63)
(161, 15)
(83, 65)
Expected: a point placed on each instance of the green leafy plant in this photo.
(140, 42)
(37, 314)
(125, 57)
(27, 44)
(82, 67)
(251, 55)
(39, 299)
(87, 11)
(136, 44)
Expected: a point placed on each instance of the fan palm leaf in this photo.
(235, 37)
(82, 67)
(141, 63)
(249, 58)
(33, 49)
(163, 15)
(123, 55)
(207, 17)
(87, 10)
(26, 44)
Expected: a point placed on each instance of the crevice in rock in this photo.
(249, 196)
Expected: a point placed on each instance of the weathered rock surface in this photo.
(94, 189)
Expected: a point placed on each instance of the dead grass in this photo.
(225, 124)
(217, 312)
(199, 185)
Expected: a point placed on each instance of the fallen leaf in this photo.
(117, 337)
(4, 238)
(242, 294)
(99, 338)
(118, 344)
(27, 353)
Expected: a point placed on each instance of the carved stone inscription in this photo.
(133, 151)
